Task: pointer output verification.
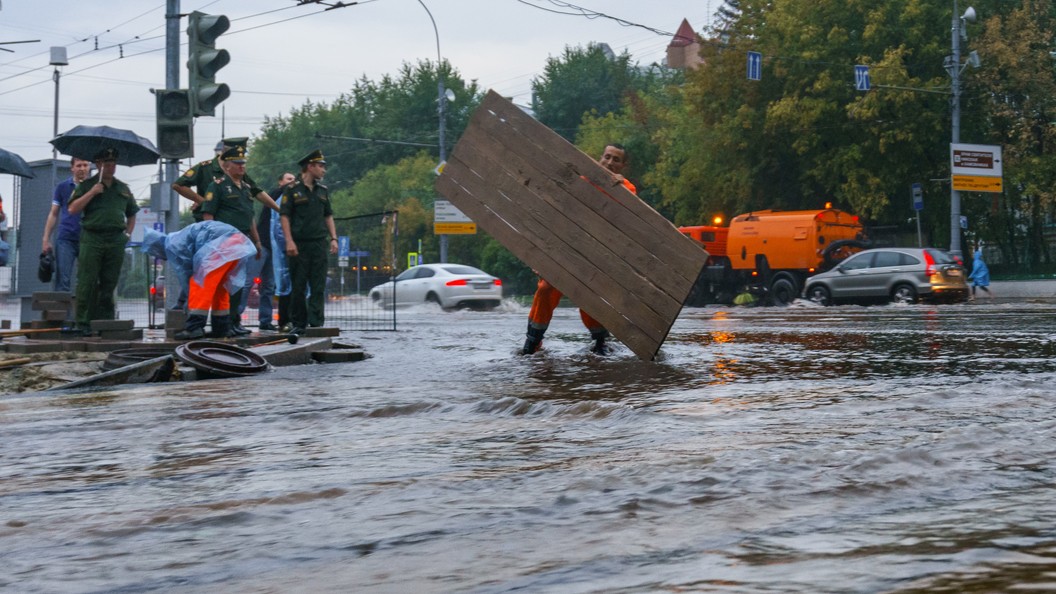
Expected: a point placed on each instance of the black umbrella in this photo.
(84, 142)
(13, 164)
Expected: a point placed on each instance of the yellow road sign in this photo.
(454, 228)
(976, 183)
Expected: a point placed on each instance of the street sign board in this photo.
(975, 167)
(977, 183)
(449, 220)
(755, 66)
(918, 196)
(861, 78)
(343, 243)
(975, 159)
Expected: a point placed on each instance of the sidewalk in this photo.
(1025, 289)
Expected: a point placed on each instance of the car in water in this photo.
(901, 275)
(451, 286)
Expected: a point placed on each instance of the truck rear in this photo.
(770, 253)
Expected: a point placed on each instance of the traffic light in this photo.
(204, 60)
(175, 123)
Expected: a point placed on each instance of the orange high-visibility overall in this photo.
(212, 294)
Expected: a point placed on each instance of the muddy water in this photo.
(808, 449)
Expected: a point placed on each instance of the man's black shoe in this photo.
(240, 330)
(268, 327)
(600, 348)
(190, 334)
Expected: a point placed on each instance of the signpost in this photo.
(755, 66)
(449, 220)
(975, 167)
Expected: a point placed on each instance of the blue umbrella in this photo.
(84, 142)
(13, 164)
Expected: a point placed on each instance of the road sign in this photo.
(977, 183)
(755, 66)
(861, 78)
(449, 220)
(343, 244)
(975, 159)
(918, 197)
(342, 261)
(358, 254)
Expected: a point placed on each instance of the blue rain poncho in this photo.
(199, 249)
(980, 275)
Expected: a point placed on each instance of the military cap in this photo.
(242, 141)
(219, 147)
(315, 156)
(106, 154)
(235, 154)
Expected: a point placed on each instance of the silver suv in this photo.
(902, 275)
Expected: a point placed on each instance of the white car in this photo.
(452, 286)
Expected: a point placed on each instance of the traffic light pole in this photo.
(170, 166)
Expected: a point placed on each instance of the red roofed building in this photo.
(684, 49)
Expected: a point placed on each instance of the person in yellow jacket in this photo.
(547, 296)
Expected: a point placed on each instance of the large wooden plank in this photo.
(561, 213)
(570, 166)
(583, 252)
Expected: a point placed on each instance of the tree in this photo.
(582, 81)
(1014, 94)
(399, 112)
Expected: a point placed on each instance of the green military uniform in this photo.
(205, 173)
(230, 203)
(307, 210)
(102, 253)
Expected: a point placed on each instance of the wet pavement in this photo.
(806, 449)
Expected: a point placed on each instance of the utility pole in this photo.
(954, 67)
(169, 168)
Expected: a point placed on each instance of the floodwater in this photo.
(806, 449)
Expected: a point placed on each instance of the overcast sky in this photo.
(284, 54)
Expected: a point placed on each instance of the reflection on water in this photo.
(807, 449)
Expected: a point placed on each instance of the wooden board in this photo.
(564, 215)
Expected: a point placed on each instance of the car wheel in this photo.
(433, 298)
(782, 292)
(819, 294)
(904, 293)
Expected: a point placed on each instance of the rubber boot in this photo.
(193, 329)
(284, 313)
(534, 341)
(599, 336)
(221, 327)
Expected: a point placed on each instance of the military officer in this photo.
(229, 200)
(201, 175)
(108, 214)
(308, 224)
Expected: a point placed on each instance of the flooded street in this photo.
(805, 449)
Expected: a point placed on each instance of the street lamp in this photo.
(954, 68)
(58, 58)
(442, 97)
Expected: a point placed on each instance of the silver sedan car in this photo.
(452, 286)
(902, 275)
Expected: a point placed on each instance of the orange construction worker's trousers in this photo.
(212, 294)
(543, 305)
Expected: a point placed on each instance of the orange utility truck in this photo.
(770, 253)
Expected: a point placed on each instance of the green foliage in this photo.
(396, 109)
(582, 81)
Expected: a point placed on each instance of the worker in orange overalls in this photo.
(614, 158)
(209, 258)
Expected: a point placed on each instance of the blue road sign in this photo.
(343, 245)
(358, 254)
(755, 66)
(861, 78)
(918, 197)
